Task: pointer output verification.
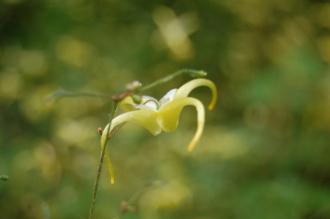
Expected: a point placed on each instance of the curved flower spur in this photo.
(163, 115)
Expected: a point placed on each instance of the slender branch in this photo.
(100, 164)
(133, 88)
(59, 94)
(191, 72)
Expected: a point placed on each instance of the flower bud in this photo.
(137, 99)
(198, 74)
(134, 85)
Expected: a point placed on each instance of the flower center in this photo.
(152, 104)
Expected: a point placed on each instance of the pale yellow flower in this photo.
(163, 115)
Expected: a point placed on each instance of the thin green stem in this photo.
(57, 95)
(191, 72)
(100, 164)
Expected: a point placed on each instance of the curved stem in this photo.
(191, 72)
(100, 164)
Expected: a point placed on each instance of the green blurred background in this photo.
(265, 149)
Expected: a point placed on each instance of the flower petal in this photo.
(147, 102)
(143, 117)
(169, 115)
(127, 104)
(109, 166)
(169, 96)
(185, 90)
(107, 155)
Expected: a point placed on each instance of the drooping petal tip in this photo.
(214, 97)
(104, 138)
(169, 116)
(110, 168)
(185, 90)
(200, 124)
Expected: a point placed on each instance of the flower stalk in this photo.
(100, 164)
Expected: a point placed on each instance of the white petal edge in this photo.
(168, 97)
